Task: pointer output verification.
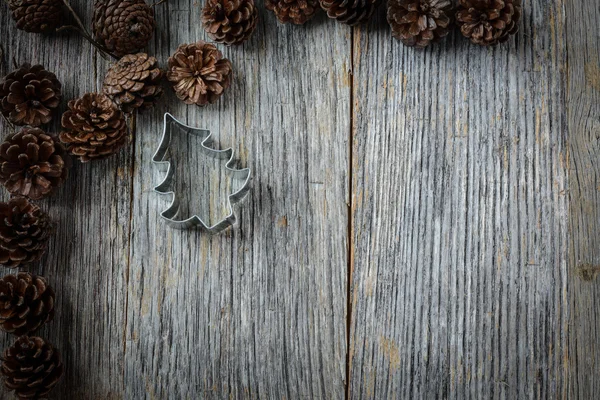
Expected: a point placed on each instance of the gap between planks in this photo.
(350, 251)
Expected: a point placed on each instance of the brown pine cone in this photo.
(26, 303)
(419, 22)
(199, 73)
(94, 127)
(33, 163)
(229, 21)
(29, 95)
(24, 232)
(294, 11)
(351, 13)
(488, 22)
(31, 367)
(36, 16)
(134, 82)
(123, 26)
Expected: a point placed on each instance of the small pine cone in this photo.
(36, 16)
(33, 163)
(94, 127)
(419, 22)
(134, 82)
(199, 73)
(351, 13)
(29, 95)
(229, 21)
(123, 26)
(294, 11)
(24, 233)
(31, 367)
(26, 303)
(488, 22)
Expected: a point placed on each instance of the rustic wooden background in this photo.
(422, 224)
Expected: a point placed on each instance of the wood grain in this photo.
(451, 192)
(258, 312)
(583, 130)
(459, 215)
(87, 258)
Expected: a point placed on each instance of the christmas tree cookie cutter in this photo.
(171, 214)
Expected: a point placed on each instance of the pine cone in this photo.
(350, 13)
(488, 22)
(26, 303)
(123, 26)
(419, 22)
(36, 16)
(33, 163)
(134, 82)
(31, 367)
(229, 21)
(294, 11)
(29, 95)
(199, 73)
(24, 232)
(94, 127)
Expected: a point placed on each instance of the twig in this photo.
(74, 14)
(12, 127)
(158, 3)
(87, 36)
(103, 52)
(14, 60)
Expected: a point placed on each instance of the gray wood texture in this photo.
(422, 224)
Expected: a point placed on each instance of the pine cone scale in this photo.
(36, 16)
(29, 176)
(488, 23)
(419, 22)
(229, 21)
(134, 82)
(29, 94)
(123, 26)
(31, 367)
(348, 12)
(199, 73)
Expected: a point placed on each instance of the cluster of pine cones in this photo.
(414, 22)
(31, 366)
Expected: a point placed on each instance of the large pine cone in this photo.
(31, 367)
(229, 21)
(24, 232)
(123, 26)
(26, 303)
(488, 22)
(350, 12)
(419, 22)
(134, 82)
(33, 163)
(294, 11)
(36, 16)
(94, 127)
(199, 73)
(29, 95)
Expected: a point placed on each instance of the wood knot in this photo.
(587, 272)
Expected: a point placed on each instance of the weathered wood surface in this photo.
(446, 199)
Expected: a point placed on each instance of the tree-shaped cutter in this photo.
(160, 157)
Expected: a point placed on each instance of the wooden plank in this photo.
(87, 259)
(459, 215)
(583, 119)
(259, 311)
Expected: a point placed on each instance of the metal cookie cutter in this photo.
(170, 214)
